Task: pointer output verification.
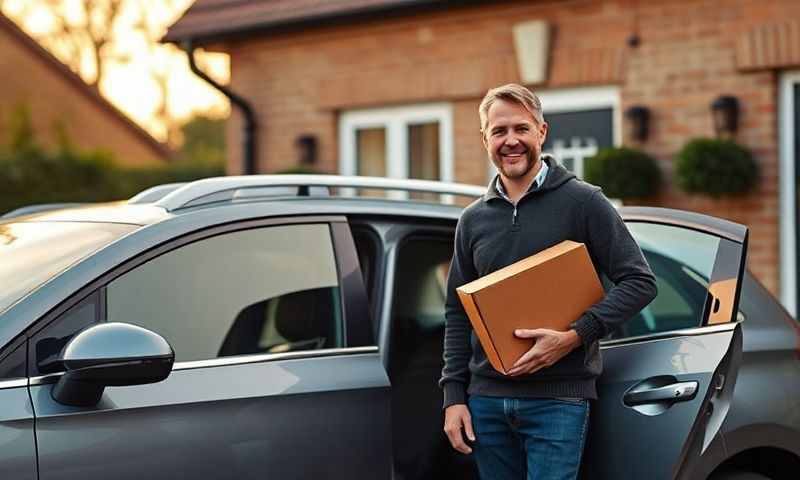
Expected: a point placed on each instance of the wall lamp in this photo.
(637, 118)
(307, 149)
(725, 113)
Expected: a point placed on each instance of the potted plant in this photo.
(623, 173)
(715, 167)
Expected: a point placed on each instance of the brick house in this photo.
(391, 87)
(54, 95)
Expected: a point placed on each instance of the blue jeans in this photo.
(533, 438)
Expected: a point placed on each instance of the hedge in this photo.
(30, 175)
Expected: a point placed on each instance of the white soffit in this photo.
(532, 45)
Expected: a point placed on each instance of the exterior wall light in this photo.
(725, 113)
(307, 150)
(637, 119)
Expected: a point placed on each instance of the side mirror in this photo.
(110, 354)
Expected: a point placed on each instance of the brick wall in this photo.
(54, 99)
(299, 82)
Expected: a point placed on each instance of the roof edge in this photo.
(90, 92)
(360, 14)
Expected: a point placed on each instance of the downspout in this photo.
(249, 138)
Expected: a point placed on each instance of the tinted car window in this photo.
(265, 290)
(48, 344)
(682, 261)
(13, 364)
(32, 253)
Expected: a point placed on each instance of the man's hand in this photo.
(549, 347)
(456, 416)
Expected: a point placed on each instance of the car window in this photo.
(420, 281)
(682, 261)
(418, 300)
(47, 344)
(31, 253)
(265, 290)
(13, 364)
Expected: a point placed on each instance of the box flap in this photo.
(522, 265)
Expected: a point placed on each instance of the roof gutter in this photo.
(250, 125)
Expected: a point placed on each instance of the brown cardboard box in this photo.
(550, 290)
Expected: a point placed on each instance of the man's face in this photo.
(513, 139)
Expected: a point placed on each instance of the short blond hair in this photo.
(511, 93)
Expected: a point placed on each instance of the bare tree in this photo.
(160, 70)
(91, 36)
(82, 33)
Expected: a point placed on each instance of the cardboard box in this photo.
(550, 290)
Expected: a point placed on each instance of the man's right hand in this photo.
(456, 417)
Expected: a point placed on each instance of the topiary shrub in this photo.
(623, 173)
(715, 167)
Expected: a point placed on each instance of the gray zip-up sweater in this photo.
(493, 233)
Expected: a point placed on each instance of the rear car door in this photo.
(276, 373)
(670, 371)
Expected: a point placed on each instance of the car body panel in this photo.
(665, 435)
(765, 411)
(619, 433)
(239, 415)
(317, 417)
(17, 445)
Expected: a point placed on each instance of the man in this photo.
(533, 421)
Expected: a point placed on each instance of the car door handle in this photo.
(678, 392)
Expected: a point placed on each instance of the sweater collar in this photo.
(555, 176)
(537, 182)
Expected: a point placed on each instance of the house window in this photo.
(404, 142)
(581, 121)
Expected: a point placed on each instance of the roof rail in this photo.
(226, 188)
(154, 194)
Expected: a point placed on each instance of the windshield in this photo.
(32, 253)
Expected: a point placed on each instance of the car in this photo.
(291, 326)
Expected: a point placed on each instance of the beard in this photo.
(518, 169)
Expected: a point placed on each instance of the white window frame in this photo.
(578, 99)
(786, 189)
(396, 121)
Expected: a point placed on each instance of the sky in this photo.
(129, 84)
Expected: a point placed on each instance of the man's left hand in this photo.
(549, 346)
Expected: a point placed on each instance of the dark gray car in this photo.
(260, 327)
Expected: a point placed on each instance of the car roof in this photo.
(113, 212)
(294, 192)
(297, 193)
(143, 214)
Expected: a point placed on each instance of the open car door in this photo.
(669, 372)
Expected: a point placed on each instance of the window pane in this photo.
(256, 291)
(682, 261)
(31, 253)
(371, 156)
(574, 136)
(47, 345)
(423, 155)
(13, 365)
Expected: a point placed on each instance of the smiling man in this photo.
(532, 422)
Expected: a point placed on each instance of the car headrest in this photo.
(305, 314)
